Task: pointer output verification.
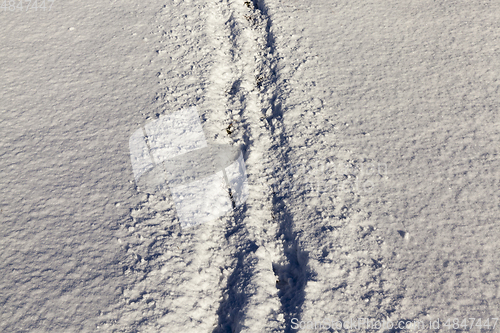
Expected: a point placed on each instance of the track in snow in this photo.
(248, 56)
(243, 272)
(240, 78)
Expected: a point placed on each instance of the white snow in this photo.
(249, 166)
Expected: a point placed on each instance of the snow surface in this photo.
(369, 131)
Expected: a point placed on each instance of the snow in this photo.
(359, 141)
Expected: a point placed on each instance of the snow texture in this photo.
(247, 166)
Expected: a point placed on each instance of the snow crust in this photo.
(244, 166)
